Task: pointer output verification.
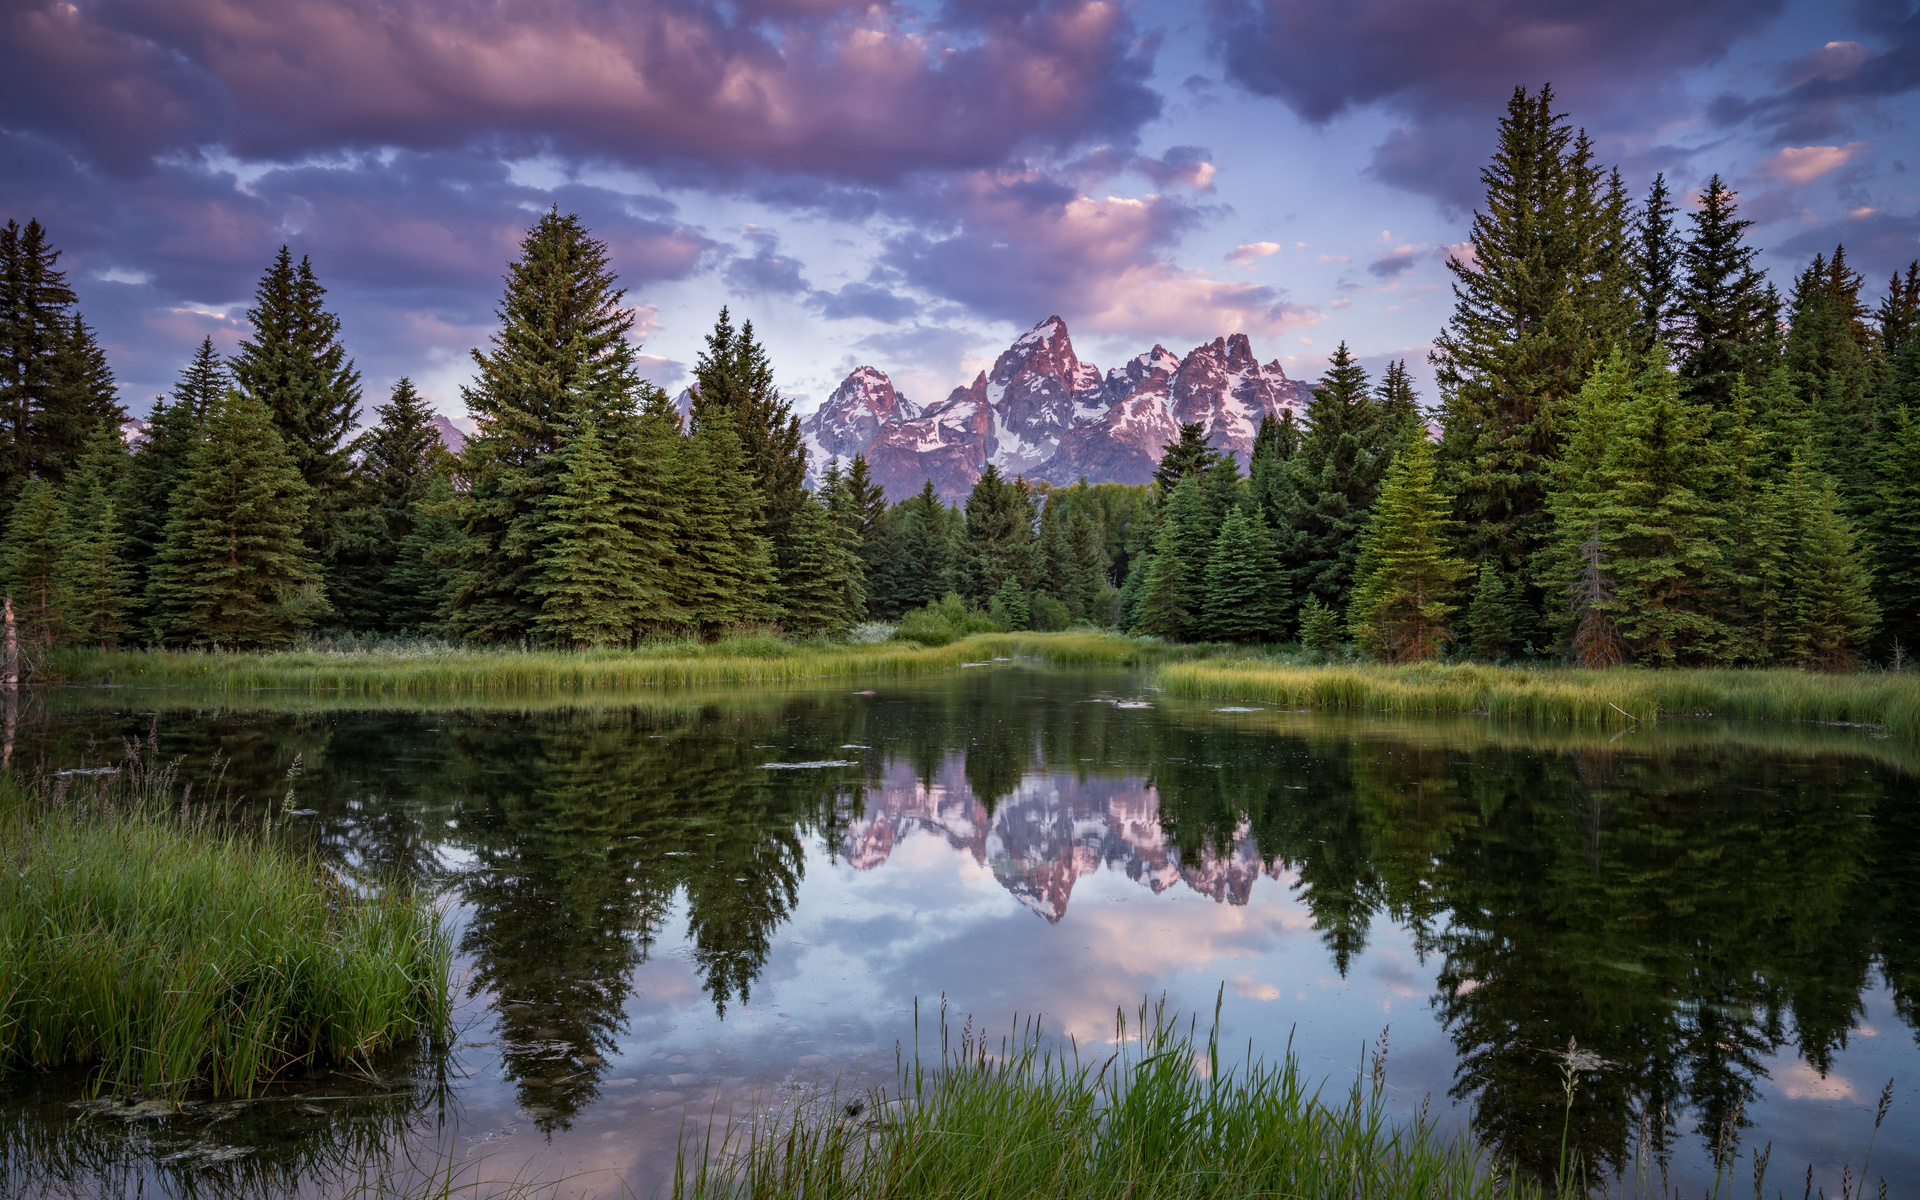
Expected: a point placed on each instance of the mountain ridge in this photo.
(1044, 413)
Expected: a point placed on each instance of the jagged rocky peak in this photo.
(853, 416)
(1038, 390)
(1123, 381)
(1224, 388)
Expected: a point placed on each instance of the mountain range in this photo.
(1044, 413)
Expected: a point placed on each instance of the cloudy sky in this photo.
(901, 184)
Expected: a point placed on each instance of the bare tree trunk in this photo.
(11, 678)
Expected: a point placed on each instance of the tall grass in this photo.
(1621, 696)
(1162, 1116)
(429, 666)
(175, 948)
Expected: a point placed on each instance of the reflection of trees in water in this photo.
(1682, 913)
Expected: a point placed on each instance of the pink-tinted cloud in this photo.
(850, 90)
(1801, 165)
(1019, 242)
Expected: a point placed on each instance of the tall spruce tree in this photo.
(98, 580)
(999, 534)
(1820, 611)
(1898, 317)
(926, 550)
(1829, 361)
(153, 475)
(32, 559)
(1543, 294)
(1085, 573)
(1896, 529)
(295, 366)
(1726, 316)
(398, 457)
(1397, 409)
(1658, 251)
(422, 578)
(1244, 599)
(734, 374)
(587, 571)
(1490, 617)
(1659, 533)
(560, 357)
(724, 575)
(1269, 480)
(1334, 480)
(1571, 567)
(235, 571)
(867, 502)
(1408, 575)
(34, 299)
(83, 399)
(1165, 605)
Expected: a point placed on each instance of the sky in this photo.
(903, 185)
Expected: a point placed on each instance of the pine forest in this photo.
(1643, 450)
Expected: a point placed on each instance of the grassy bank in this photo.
(1163, 1116)
(412, 667)
(175, 950)
(1613, 697)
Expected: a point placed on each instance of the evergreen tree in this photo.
(1571, 567)
(1050, 552)
(1658, 252)
(1896, 529)
(34, 328)
(926, 551)
(1164, 606)
(397, 462)
(1009, 608)
(234, 571)
(1785, 421)
(1828, 361)
(1407, 571)
(1542, 296)
(1319, 626)
(155, 470)
(867, 501)
(1085, 575)
(1333, 482)
(97, 578)
(295, 366)
(1190, 455)
(999, 534)
(1268, 474)
(1726, 316)
(33, 559)
(586, 572)
(1490, 617)
(843, 566)
(1397, 409)
(734, 374)
(1244, 599)
(724, 575)
(421, 580)
(560, 357)
(1820, 611)
(820, 587)
(82, 400)
(1659, 534)
(1898, 316)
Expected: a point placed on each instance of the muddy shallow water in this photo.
(675, 904)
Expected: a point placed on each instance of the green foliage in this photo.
(1817, 608)
(1332, 482)
(1543, 295)
(398, 458)
(922, 571)
(587, 573)
(1896, 518)
(421, 578)
(296, 368)
(1490, 617)
(1657, 255)
(97, 578)
(1009, 608)
(155, 471)
(1319, 626)
(1245, 599)
(824, 585)
(1727, 314)
(34, 329)
(723, 574)
(1084, 574)
(35, 551)
(1407, 572)
(560, 357)
(1189, 455)
(234, 570)
(999, 534)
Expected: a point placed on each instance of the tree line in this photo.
(1642, 451)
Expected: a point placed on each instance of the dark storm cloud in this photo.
(844, 90)
(1449, 65)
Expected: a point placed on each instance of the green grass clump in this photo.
(1160, 1116)
(427, 666)
(175, 948)
(1621, 696)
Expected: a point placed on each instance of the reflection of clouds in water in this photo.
(1798, 1080)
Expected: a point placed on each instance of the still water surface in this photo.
(705, 901)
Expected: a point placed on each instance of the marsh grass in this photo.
(407, 666)
(1161, 1115)
(1616, 697)
(175, 947)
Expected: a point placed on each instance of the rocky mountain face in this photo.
(1053, 830)
(1044, 413)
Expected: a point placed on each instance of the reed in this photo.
(175, 948)
(1161, 1116)
(1617, 697)
(422, 666)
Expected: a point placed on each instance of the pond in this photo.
(675, 904)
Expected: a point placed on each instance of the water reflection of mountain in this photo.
(1050, 831)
